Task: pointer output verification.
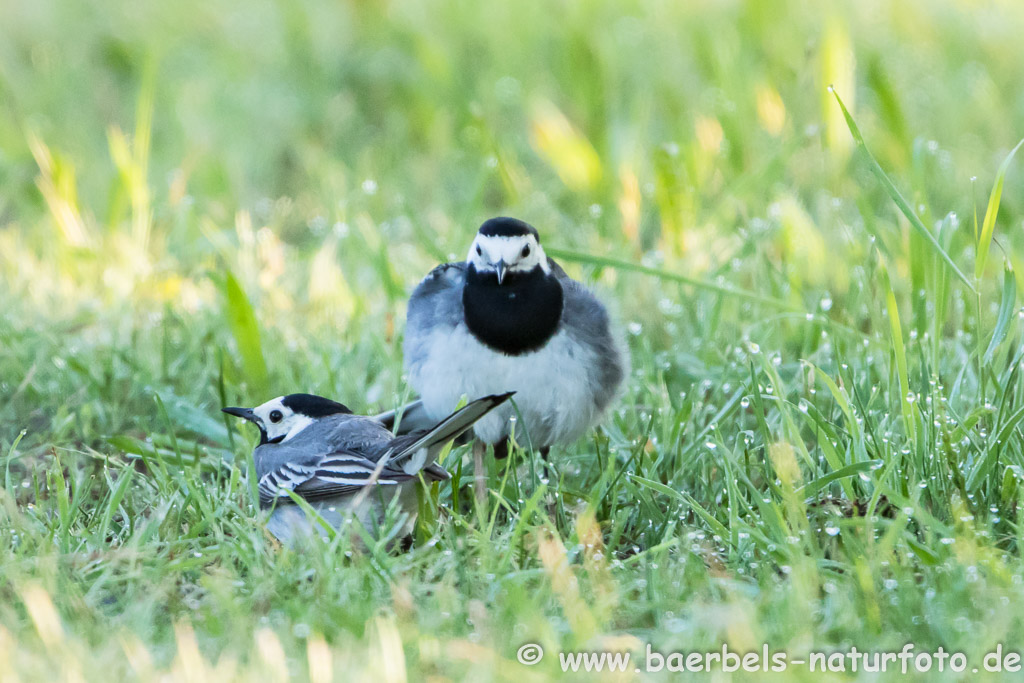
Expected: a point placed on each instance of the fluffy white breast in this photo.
(552, 385)
(290, 525)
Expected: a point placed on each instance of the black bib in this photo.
(516, 317)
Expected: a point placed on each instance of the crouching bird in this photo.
(508, 318)
(345, 466)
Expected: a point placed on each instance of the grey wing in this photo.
(270, 457)
(332, 475)
(355, 434)
(361, 435)
(586, 320)
(436, 302)
(335, 474)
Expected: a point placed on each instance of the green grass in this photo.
(214, 203)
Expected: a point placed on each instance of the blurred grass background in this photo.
(210, 202)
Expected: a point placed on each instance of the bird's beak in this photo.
(500, 268)
(244, 413)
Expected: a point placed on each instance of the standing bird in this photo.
(343, 464)
(510, 319)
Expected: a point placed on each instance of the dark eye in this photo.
(479, 251)
(526, 251)
(275, 416)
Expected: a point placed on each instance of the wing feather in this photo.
(335, 474)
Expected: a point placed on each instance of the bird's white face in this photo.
(504, 254)
(279, 421)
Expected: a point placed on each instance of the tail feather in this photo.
(405, 448)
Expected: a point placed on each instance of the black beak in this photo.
(500, 268)
(244, 413)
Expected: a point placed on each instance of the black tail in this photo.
(444, 431)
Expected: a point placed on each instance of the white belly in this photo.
(553, 393)
(290, 525)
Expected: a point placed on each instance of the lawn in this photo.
(820, 446)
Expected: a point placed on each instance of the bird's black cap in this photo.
(507, 227)
(313, 405)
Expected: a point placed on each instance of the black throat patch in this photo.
(516, 317)
(265, 438)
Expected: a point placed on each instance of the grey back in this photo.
(337, 433)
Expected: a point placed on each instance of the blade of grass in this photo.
(246, 331)
(985, 465)
(708, 518)
(197, 421)
(222, 394)
(941, 281)
(895, 195)
(162, 409)
(898, 349)
(842, 400)
(114, 500)
(988, 227)
(10, 457)
(812, 487)
(1006, 306)
(621, 264)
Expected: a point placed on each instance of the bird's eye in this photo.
(479, 251)
(526, 251)
(275, 416)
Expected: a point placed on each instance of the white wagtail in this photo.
(343, 465)
(510, 319)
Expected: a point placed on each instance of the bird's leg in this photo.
(479, 479)
(501, 449)
(405, 545)
(549, 471)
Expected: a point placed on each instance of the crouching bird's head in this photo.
(282, 418)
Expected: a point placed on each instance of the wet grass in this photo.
(820, 445)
